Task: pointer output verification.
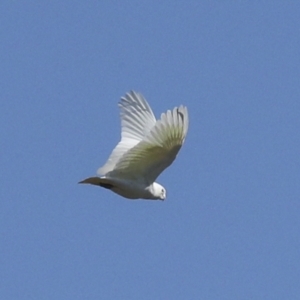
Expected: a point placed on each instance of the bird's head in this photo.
(159, 192)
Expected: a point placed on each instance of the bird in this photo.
(147, 147)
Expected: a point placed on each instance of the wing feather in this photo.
(157, 150)
(137, 120)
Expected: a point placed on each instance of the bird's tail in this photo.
(98, 181)
(91, 180)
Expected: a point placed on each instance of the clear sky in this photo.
(229, 228)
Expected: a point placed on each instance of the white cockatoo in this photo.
(147, 147)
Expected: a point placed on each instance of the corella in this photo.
(147, 147)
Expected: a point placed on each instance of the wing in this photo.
(137, 119)
(157, 150)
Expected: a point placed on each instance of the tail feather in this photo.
(98, 181)
(91, 180)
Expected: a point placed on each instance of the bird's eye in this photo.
(162, 191)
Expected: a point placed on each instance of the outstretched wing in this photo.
(137, 119)
(157, 150)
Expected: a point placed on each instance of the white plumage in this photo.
(147, 147)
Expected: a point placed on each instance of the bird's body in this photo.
(147, 147)
(130, 189)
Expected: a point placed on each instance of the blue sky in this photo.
(229, 228)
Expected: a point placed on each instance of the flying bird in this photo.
(147, 147)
